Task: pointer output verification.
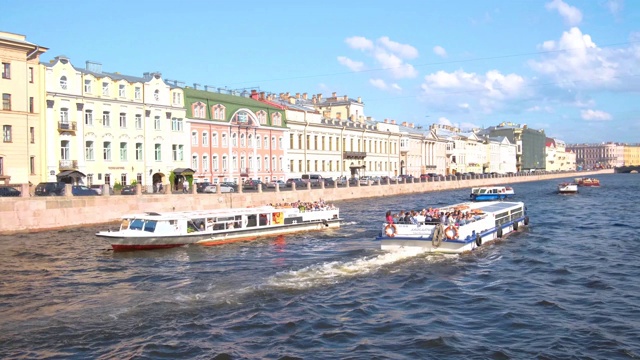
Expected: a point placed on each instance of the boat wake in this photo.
(337, 271)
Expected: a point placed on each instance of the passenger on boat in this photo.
(389, 217)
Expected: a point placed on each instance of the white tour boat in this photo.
(487, 222)
(567, 188)
(153, 230)
(489, 193)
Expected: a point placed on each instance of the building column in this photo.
(51, 138)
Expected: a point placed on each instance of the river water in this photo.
(567, 287)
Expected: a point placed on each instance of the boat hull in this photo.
(124, 241)
(425, 244)
(490, 197)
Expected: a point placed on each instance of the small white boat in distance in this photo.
(489, 193)
(484, 222)
(567, 188)
(153, 230)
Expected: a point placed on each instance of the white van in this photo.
(314, 179)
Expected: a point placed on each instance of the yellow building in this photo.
(21, 115)
(631, 155)
(109, 128)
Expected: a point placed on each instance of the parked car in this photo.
(252, 184)
(365, 180)
(299, 183)
(128, 190)
(272, 184)
(55, 188)
(232, 185)
(81, 190)
(201, 186)
(408, 178)
(329, 182)
(314, 179)
(424, 177)
(212, 189)
(342, 181)
(6, 191)
(98, 189)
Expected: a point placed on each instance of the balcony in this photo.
(355, 155)
(67, 126)
(244, 172)
(68, 165)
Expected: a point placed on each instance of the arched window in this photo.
(225, 141)
(234, 140)
(250, 141)
(63, 82)
(266, 142)
(214, 139)
(242, 140)
(156, 94)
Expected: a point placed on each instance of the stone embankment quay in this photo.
(31, 214)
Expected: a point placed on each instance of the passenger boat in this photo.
(587, 182)
(487, 193)
(489, 221)
(152, 230)
(567, 188)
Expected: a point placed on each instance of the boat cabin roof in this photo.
(203, 213)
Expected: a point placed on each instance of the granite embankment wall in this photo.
(29, 214)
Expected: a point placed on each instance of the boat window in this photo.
(516, 214)
(136, 224)
(150, 225)
(502, 218)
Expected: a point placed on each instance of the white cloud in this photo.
(572, 15)
(595, 115)
(395, 86)
(378, 83)
(388, 55)
(491, 85)
(575, 61)
(614, 6)
(440, 51)
(359, 43)
(464, 106)
(543, 109)
(351, 64)
(444, 121)
(404, 51)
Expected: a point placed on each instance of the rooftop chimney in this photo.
(304, 96)
(359, 100)
(393, 122)
(346, 98)
(195, 86)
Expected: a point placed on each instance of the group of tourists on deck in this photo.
(306, 205)
(432, 216)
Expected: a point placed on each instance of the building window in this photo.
(87, 86)
(139, 178)
(88, 151)
(63, 82)
(65, 150)
(194, 162)
(32, 165)
(205, 139)
(64, 117)
(106, 151)
(274, 164)
(176, 124)
(30, 74)
(273, 142)
(225, 166)
(258, 142)
(106, 119)
(242, 140)
(215, 163)
(123, 120)
(234, 140)
(158, 152)
(137, 93)
(139, 151)
(225, 142)
(250, 141)
(156, 123)
(174, 152)
(107, 179)
(123, 151)
(214, 139)
(105, 88)
(121, 91)
(32, 135)
(88, 117)
(156, 95)
(6, 133)
(266, 163)
(205, 163)
(6, 71)
(180, 152)
(6, 101)
(123, 179)
(138, 121)
(176, 98)
(266, 142)
(194, 138)
(281, 143)
(1, 165)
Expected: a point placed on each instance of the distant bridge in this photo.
(627, 169)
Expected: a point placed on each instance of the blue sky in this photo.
(570, 67)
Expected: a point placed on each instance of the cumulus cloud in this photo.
(351, 64)
(575, 61)
(378, 83)
(571, 15)
(387, 55)
(404, 51)
(537, 108)
(614, 6)
(444, 121)
(395, 86)
(493, 84)
(440, 51)
(595, 115)
(359, 43)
